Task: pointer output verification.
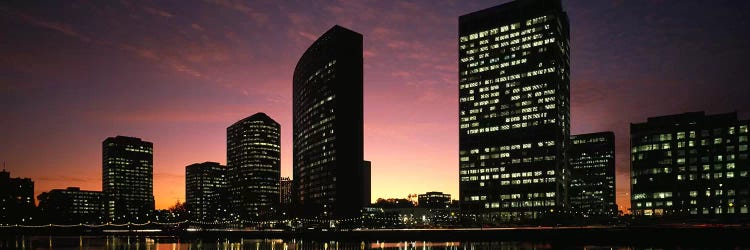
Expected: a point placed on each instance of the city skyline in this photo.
(596, 103)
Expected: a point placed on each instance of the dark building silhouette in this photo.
(285, 191)
(328, 120)
(514, 110)
(592, 167)
(690, 166)
(366, 183)
(206, 191)
(127, 179)
(16, 199)
(434, 200)
(254, 164)
(72, 206)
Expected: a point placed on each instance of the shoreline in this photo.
(649, 235)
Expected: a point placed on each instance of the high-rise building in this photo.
(328, 120)
(285, 191)
(690, 166)
(592, 178)
(514, 109)
(16, 199)
(254, 165)
(72, 206)
(127, 179)
(206, 195)
(434, 200)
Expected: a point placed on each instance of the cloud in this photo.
(257, 16)
(149, 54)
(197, 27)
(157, 12)
(308, 36)
(369, 54)
(59, 27)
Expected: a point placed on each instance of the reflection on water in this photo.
(174, 243)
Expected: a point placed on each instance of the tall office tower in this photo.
(206, 194)
(327, 110)
(690, 166)
(127, 179)
(592, 178)
(514, 110)
(16, 199)
(72, 206)
(254, 162)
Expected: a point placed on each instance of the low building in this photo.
(206, 191)
(16, 199)
(690, 166)
(434, 200)
(72, 206)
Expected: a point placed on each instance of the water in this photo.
(174, 243)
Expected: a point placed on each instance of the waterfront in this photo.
(148, 242)
(167, 242)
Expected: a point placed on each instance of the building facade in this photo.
(72, 206)
(254, 165)
(434, 200)
(16, 199)
(690, 166)
(127, 179)
(328, 126)
(592, 167)
(366, 183)
(285, 191)
(514, 110)
(206, 192)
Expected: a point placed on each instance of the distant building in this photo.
(690, 166)
(72, 206)
(514, 110)
(434, 200)
(206, 191)
(16, 199)
(592, 166)
(127, 179)
(285, 191)
(254, 164)
(328, 126)
(366, 183)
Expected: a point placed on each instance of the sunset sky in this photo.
(177, 73)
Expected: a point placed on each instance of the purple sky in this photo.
(177, 73)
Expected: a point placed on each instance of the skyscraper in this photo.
(514, 109)
(206, 191)
(127, 179)
(592, 178)
(254, 164)
(328, 133)
(690, 166)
